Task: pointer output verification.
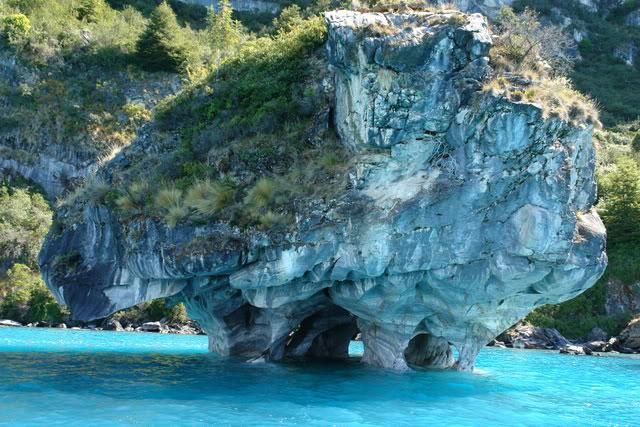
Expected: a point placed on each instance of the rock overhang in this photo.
(470, 211)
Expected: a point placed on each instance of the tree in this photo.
(25, 218)
(15, 292)
(90, 10)
(25, 298)
(161, 46)
(523, 42)
(224, 32)
(42, 305)
(289, 18)
(620, 193)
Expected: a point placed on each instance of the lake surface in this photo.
(67, 377)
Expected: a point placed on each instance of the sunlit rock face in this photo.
(254, 6)
(490, 8)
(463, 213)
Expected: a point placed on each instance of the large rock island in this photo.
(461, 210)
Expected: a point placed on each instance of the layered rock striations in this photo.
(463, 212)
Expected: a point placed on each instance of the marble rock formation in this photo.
(465, 211)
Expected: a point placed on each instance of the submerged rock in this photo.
(464, 212)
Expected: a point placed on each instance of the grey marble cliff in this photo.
(465, 211)
(255, 6)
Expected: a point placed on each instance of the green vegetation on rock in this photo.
(246, 149)
(599, 73)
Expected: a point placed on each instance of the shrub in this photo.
(177, 314)
(585, 45)
(207, 198)
(15, 291)
(270, 219)
(523, 42)
(42, 306)
(96, 190)
(555, 96)
(16, 27)
(152, 311)
(161, 46)
(137, 113)
(175, 214)
(169, 202)
(134, 199)
(262, 194)
(168, 198)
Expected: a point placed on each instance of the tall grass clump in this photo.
(134, 199)
(208, 198)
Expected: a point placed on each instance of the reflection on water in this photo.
(177, 387)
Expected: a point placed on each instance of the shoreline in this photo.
(573, 349)
(159, 327)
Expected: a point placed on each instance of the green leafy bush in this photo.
(16, 27)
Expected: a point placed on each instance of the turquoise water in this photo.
(62, 377)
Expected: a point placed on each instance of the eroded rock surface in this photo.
(464, 212)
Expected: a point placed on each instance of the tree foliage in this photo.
(620, 202)
(224, 32)
(161, 46)
(91, 10)
(25, 298)
(25, 218)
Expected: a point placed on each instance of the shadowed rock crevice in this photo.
(325, 335)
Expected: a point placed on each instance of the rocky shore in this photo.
(526, 336)
(163, 327)
(521, 336)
